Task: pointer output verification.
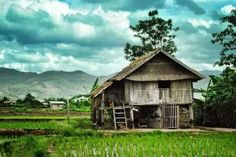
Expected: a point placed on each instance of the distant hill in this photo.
(17, 84)
(202, 84)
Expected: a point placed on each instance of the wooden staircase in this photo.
(119, 116)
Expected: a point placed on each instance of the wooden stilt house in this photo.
(154, 91)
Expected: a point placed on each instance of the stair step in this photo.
(119, 108)
(120, 122)
(119, 113)
(120, 117)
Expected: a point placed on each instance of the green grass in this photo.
(53, 123)
(150, 145)
(128, 145)
(77, 138)
(28, 125)
(28, 118)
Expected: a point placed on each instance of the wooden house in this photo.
(154, 91)
(57, 105)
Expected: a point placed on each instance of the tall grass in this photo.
(87, 144)
(149, 145)
(28, 125)
(77, 139)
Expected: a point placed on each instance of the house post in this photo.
(132, 115)
(191, 108)
(68, 110)
(102, 107)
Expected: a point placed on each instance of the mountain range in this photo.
(16, 84)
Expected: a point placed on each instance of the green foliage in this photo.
(3, 100)
(222, 89)
(154, 33)
(34, 118)
(82, 104)
(227, 39)
(95, 85)
(27, 146)
(219, 108)
(31, 102)
(28, 125)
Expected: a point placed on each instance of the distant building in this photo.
(57, 105)
(45, 104)
(8, 103)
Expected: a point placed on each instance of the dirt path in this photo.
(216, 129)
(151, 130)
(196, 129)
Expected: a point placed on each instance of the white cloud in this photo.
(83, 30)
(70, 63)
(17, 66)
(56, 9)
(200, 66)
(201, 22)
(227, 9)
(115, 19)
(2, 54)
(66, 46)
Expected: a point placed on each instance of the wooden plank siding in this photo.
(160, 68)
(148, 93)
(181, 92)
(115, 93)
(141, 92)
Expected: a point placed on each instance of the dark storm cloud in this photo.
(216, 15)
(193, 6)
(24, 25)
(28, 26)
(128, 5)
(16, 15)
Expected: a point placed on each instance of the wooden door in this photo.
(170, 115)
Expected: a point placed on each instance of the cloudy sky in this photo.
(89, 35)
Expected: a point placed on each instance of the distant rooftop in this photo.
(57, 102)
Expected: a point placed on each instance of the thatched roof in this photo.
(135, 65)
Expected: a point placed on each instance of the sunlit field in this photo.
(79, 139)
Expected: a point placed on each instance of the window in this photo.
(163, 84)
(164, 90)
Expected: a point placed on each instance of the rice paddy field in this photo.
(78, 139)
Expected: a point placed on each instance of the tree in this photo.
(154, 33)
(219, 105)
(5, 99)
(227, 38)
(29, 98)
(95, 85)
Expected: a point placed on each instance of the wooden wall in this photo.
(115, 93)
(148, 93)
(181, 92)
(141, 92)
(160, 68)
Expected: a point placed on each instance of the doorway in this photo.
(170, 115)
